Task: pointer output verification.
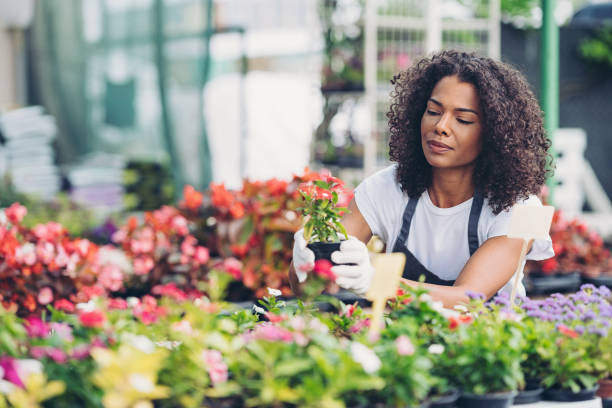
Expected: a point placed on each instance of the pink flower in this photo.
(15, 213)
(65, 305)
(179, 223)
(9, 366)
(217, 369)
(117, 303)
(63, 331)
(233, 267)
(143, 265)
(183, 327)
(57, 355)
(38, 352)
(170, 289)
(45, 296)
(80, 352)
(201, 255)
(35, 327)
(111, 277)
(404, 346)
(188, 245)
(270, 332)
(95, 318)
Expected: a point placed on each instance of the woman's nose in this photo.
(442, 127)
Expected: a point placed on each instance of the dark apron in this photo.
(413, 269)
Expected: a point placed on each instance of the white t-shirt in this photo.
(438, 237)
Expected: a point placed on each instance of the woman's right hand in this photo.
(303, 257)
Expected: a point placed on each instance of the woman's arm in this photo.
(487, 271)
(355, 225)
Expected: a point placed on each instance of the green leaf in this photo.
(292, 367)
(247, 229)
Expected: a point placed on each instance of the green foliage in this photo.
(598, 49)
(518, 7)
(320, 206)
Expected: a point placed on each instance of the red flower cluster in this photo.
(43, 264)
(162, 247)
(577, 249)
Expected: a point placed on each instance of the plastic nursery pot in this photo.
(605, 389)
(497, 400)
(323, 250)
(447, 400)
(528, 396)
(565, 395)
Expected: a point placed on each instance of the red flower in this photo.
(220, 196)
(276, 187)
(95, 318)
(323, 267)
(567, 331)
(65, 305)
(193, 198)
(237, 210)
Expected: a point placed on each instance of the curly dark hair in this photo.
(514, 161)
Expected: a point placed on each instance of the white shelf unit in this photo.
(399, 31)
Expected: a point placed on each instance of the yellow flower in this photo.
(128, 376)
(37, 390)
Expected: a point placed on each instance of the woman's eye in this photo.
(465, 122)
(430, 112)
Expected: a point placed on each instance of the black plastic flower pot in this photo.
(448, 400)
(567, 395)
(606, 402)
(497, 400)
(323, 250)
(528, 396)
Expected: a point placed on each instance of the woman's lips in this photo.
(438, 147)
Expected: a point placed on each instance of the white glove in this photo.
(303, 258)
(358, 277)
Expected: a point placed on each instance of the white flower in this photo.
(170, 345)
(259, 310)
(86, 307)
(132, 301)
(438, 307)
(28, 366)
(6, 387)
(142, 343)
(274, 292)
(503, 315)
(425, 297)
(404, 346)
(461, 308)
(366, 357)
(141, 383)
(436, 349)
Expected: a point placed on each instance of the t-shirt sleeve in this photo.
(541, 248)
(372, 199)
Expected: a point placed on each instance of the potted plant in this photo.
(483, 359)
(577, 325)
(323, 229)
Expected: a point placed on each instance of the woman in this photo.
(468, 142)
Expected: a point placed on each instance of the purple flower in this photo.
(604, 291)
(570, 316)
(588, 315)
(600, 331)
(579, 329)
(605, 323)
(502, 299)
(587, 286)
(475, 295)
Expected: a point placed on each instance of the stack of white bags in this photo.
(28, 156)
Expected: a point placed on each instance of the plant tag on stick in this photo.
(388, 270)
(528, 222)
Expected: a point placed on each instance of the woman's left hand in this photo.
(357, 277)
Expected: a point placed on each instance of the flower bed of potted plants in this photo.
(580, 255)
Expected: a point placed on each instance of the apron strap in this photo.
(406, 220)
(473, 221)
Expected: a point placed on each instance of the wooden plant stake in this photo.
(528, 222)
(388, 270)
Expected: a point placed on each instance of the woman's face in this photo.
(451, 126)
